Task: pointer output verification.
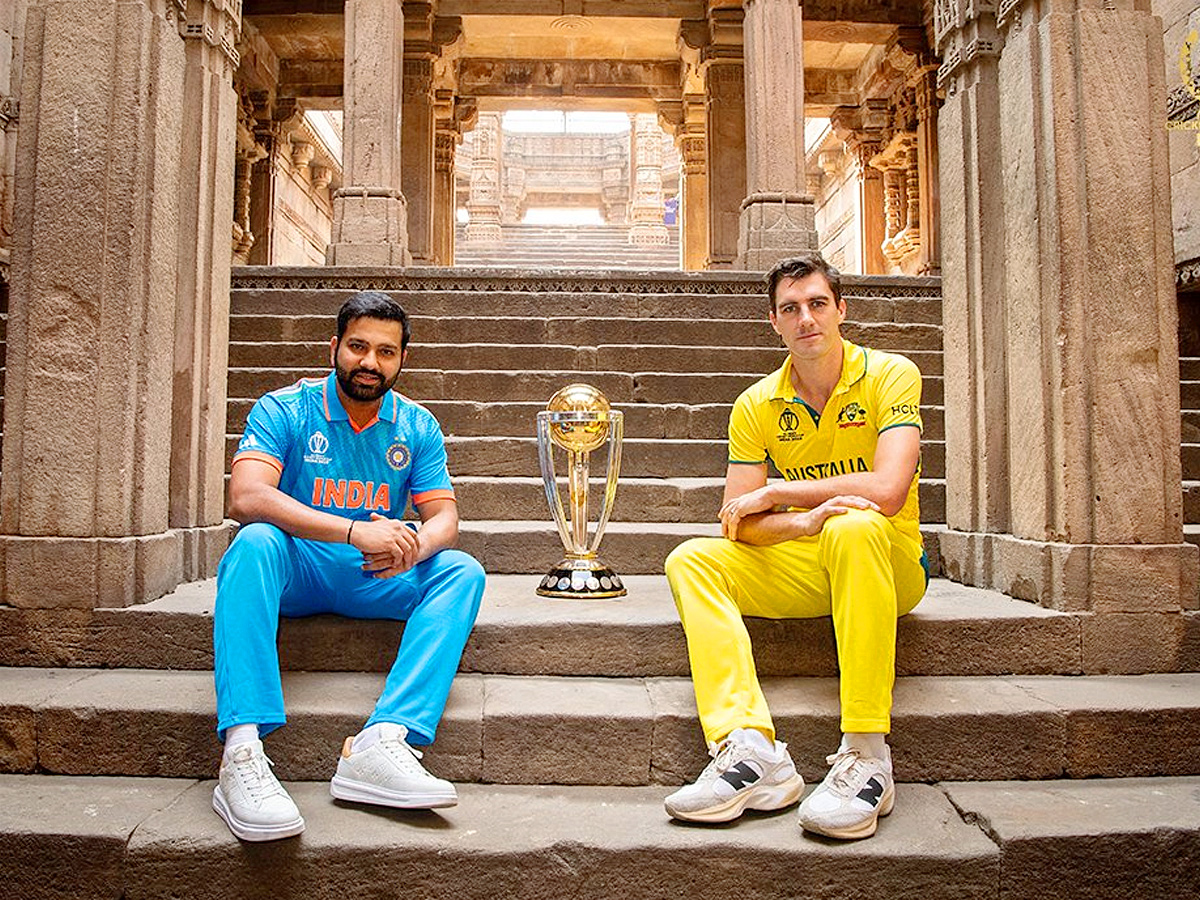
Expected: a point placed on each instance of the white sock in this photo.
(872, 745)
(377, 732)
(752, 737)
(236, 735)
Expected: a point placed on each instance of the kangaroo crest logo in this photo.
(852, 415)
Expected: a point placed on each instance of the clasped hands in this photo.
(388, 546)
(806, 523)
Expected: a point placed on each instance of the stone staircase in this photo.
(571, 247)
(1029, 769)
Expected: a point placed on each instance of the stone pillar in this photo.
(777, 215)
(85, 498)
(974, 314)
(445, 145)
(614, 180)
(726, 90)
(12, 18)
(861, 128)
(417, 136)
(1092, 407)
(206, 191)
(483, 203)
(927, 171)
(646, 208)
(370, 218)
(694, 217)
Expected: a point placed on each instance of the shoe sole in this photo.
(342, 788)
(247, 831)
(776, 796)
(857, 832)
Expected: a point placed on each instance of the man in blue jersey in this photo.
(320, 482)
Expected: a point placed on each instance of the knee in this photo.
(258, 540)
(689, 555)
(854, 528)
(464, 571)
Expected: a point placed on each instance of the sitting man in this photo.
(839, 536)
(320, 480)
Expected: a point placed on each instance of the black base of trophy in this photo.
(581, 579)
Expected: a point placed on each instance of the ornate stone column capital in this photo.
(964, 31)
(215, 23)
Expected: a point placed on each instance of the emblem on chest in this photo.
(399, 456)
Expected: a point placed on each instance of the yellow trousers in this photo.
(859, 569)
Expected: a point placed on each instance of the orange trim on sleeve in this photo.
(261, 457)
(437, 494)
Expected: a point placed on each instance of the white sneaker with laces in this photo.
(739, 777)
(250, 798)
(388, 773)
(856, 792)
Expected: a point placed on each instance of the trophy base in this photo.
(581, 579)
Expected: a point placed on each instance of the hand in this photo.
(388, 546)
(738, 508)
(811, 522)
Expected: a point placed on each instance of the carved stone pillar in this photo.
(861, 128)
(777, 215)
(693, 155)
(370, 218)
(445, 145)
(614, 183)
(927, 171)
(483, 203)
(646, 210)
(85, 500)
(1094, 503)
(210, 107)
(248, 153)
(417, 133)
(726, 90)
(974, 314)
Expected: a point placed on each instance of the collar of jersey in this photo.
(854, 368)
(335, 412)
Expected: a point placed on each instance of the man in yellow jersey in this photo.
(838, 536)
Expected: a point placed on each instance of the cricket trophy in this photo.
(579, 420)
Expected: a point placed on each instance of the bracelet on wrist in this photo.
(350, 531)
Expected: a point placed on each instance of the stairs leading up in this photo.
(568, 247)
(1028, 770)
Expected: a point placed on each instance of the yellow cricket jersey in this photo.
(877, 391)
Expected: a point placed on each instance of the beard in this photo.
(363, 391)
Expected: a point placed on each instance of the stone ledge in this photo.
(90, 572)
(955, 630)
(537, 730)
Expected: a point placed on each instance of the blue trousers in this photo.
(267, 573)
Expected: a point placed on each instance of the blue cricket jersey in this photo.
(326, 462)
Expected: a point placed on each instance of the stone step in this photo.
(1189, 368)
(573, 331)
(1189, 458)
(158, 839)
(647, 420)
(955, 630)
(604, 357)
(640, 457)
(619, 387)
(1189, 395)
(689, 499)
(546, 729)
(600, 295)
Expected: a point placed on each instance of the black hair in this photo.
(373, 305)
(801, 266)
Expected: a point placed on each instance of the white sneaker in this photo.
(387, 773)
(740, 777)
(250, 798)
(856, 792)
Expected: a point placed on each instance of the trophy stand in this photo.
(579, 420)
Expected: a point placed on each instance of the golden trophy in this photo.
(579, 420)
